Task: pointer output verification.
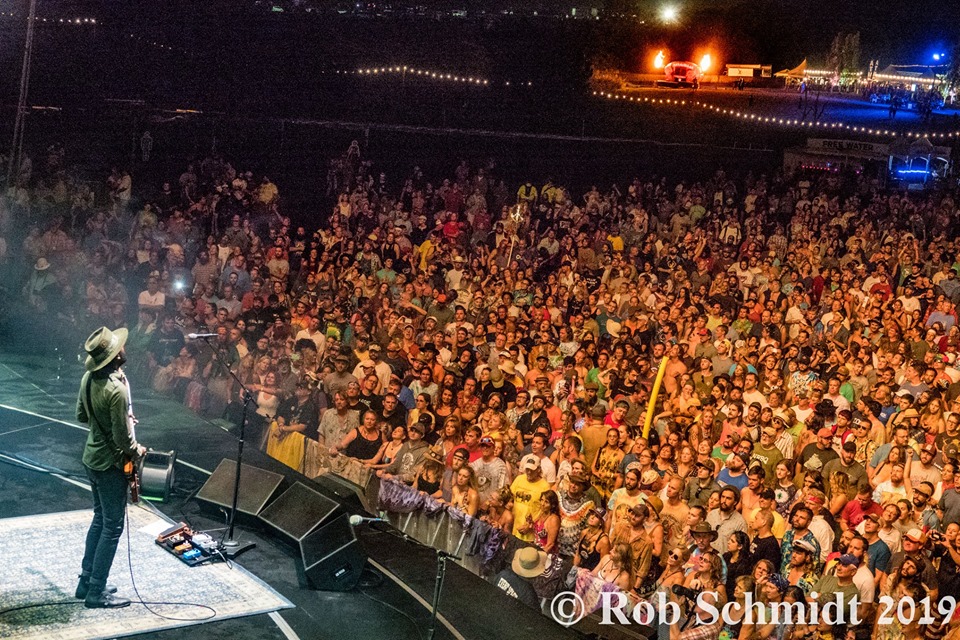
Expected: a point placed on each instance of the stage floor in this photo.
(40, 570)
(37, 424)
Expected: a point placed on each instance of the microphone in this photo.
(194, 336)
(358, 520)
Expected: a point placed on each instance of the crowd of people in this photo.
(497, 349)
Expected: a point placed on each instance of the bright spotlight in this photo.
(705, 62)
(659, 60)
(936, 57)
(669, 13)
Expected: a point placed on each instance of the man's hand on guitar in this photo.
(141, 451)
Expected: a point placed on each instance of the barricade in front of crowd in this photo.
(309, 458)
(441, 526)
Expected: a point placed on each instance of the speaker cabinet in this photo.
(157, 475)
(332, 558)
(257, 486)
(298, 511)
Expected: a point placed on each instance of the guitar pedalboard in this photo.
(192, 548)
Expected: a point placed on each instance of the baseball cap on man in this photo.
(849, 560)
(915, 535)
(529, 462)
(487, 441)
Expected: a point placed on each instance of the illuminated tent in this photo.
(798, 71)
(918, 74)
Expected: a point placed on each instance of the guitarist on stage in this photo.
(104, 403)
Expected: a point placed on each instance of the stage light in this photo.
(658, 61)
(705, 62)
(669, 13)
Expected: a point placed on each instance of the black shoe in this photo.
(84, 586)
(105, 600)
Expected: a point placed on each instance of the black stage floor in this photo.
(37, 404)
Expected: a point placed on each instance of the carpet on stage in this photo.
(40, 563)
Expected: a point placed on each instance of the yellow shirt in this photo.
(616, 243)
(528, 195)
(779, 524)
(426, 251)
(526, 502)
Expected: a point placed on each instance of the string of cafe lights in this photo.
(429, 74)
(157, 45)
(65, 21)
(89, 22)
(773, 120)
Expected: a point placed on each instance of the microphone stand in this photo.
(442, 557)
(232, 547)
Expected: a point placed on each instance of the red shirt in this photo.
(853, 514)
(476, 454)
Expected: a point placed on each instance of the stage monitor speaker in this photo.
(156, 475)
(257, 486)
(332, 558)
(351, 496)
(298, 511)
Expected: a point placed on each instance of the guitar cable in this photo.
(146, 603)
(17, 461)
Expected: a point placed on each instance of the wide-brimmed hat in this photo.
(529, 562)
(102, 347)
(649, 477)
(42, 265)
(705, 529)
(655, 503)
(434, 456)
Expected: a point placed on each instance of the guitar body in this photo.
(133, 479)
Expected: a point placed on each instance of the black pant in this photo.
(109, 507)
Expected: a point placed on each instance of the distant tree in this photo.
(851, 53)
(953, 71)
(844, 56)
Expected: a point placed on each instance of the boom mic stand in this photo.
(232, 547)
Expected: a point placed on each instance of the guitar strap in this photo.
(89, 403)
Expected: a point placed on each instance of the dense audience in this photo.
(497, 349)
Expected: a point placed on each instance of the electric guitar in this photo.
(130, 470)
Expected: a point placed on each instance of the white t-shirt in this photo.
(549, 470)
(147, 299)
